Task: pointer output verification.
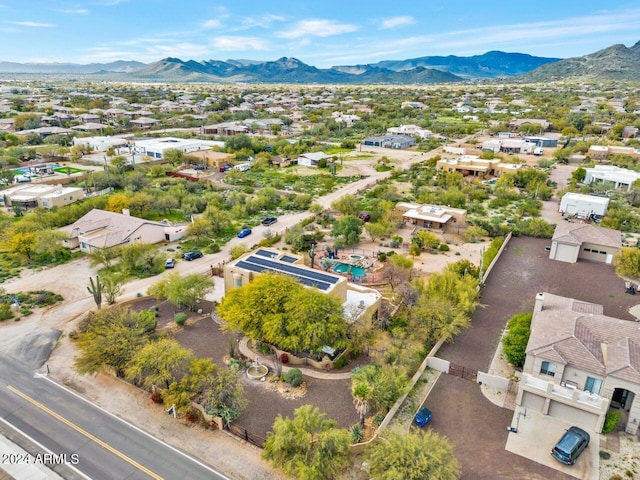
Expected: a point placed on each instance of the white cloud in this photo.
(317, 28)
(77, 11)
(239, 43)
(263, 21)
(212, 23)
(34, 24)
(394, 22)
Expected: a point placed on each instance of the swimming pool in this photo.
(346, 268)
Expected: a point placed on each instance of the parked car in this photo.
(269, 221)
(192, 255)
(571, 445)
(170, 263)
(422, 417)
(245, 232)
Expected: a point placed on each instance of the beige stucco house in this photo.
(40, 195)
(103, 229)
(581, 363)
(582, 241)
(431, 216)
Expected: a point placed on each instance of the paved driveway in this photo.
(474, 425)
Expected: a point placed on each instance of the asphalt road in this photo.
(90, 442)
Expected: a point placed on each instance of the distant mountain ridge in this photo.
(613, 63)
(488, 65)
(120, 66)
(616, 62)
(283, 70)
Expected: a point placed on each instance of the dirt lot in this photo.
(476, 427)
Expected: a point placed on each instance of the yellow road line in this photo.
(85, 433)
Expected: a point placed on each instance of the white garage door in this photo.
(533, 401)
(566, 253)
(572, 415)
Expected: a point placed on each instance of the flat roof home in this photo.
(243, 270)
(582, 241)
(390, 141)
(103, 229)
(620, 178)
(431, 216)
(40, 195)
(580, 364)
(312, 159)
(100, 143)
(155, 147)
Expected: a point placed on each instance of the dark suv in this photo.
(192, 255)
(571, 445)
(269, 221)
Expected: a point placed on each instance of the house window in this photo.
(593, 385)
(548, 368)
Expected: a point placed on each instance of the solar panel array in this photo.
(259, 264)
(288, 259)
(266, 253)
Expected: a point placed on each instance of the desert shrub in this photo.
(180, 318)
(444, 247)
(6, 311)
(492, 251)
(396, 241)
(610, 422)
(340, 362)
(515, 341)
(293, 377)
(357, 434)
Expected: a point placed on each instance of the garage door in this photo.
(595, 254)
(533, 401)
(573, 415)
(565, 253)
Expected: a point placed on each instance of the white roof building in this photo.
(155, 147)
(620, 177)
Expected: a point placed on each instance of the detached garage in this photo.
(574, 241)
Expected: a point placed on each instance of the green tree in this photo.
(279, 310)
(348, 230)
(385, 384)
(347, 205)
(103, 256)
(112, 287)
(159, 363)
(108, 339)
(412, 456)
(514, 343)
(141, 259)
(627, 262)
(397, 270)
(182, 291)
(308, 446)
(375, 230)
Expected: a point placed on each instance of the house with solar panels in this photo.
(357, 301)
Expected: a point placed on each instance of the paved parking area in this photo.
(538, 433)
(475, 426)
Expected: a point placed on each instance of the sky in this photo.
(320, 33)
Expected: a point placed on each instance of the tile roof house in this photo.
(103, 229)
(580, 362)
(574, 241)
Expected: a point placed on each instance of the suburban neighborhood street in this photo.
(95, 444)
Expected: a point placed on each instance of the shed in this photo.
(583, 206)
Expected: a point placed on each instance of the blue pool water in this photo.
(27, 170)
(344, 268)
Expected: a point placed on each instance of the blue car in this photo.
(245, 232)
(422, 417)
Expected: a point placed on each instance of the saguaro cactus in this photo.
(95, 289)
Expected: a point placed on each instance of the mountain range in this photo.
(613, 63)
